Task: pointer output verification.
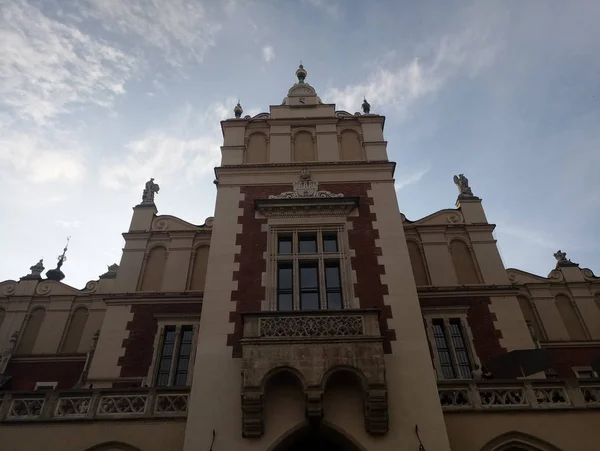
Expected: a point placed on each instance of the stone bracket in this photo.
(252, 415)
(376, 411)
(314, 405)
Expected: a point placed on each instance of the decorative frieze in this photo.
(311, 326)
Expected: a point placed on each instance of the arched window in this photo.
(304, 148)
(199, 269)
(466, 272)
(531, 318)
(32, 329)
(418, 265)
(154, 270)
(256, 149)
(570, 317)
(75, 331)
(351, 146)
(518, 441)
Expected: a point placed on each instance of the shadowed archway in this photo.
(518, 441)
(320, 438)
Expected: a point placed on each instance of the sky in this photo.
(97, 96)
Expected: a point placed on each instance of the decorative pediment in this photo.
(172, 223)
(305, 187)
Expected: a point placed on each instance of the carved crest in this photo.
(305, 187)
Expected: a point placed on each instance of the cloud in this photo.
(68, 224)
(180, 29)
(189, 148)
(47, 67)
(401, 87)
(410, 179)
(329, 7)
(268, 53)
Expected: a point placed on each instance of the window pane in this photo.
(330, 242)
(333, 286)
(309, 301)
(462, 355)
(181, 379)
(183, 357)
(162, 380)
(334, 301)
(332, 276)
(166, 356)
(284, 279)
(307, 243)
(284, 301)
(284, 244)
(441, 344)
(309, 276)
(585, 374)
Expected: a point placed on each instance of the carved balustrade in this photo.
(313, 345)
(105, 404)
(518, 394)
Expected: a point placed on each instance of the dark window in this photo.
(309, 286)
(585, 374)
(166, 357)
(441, 344)
(462, 355)
(307, 243)
(284, 244)
(183, 356)
(285, 285)
(330, 242)
(333, 286)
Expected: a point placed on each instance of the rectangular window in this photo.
(173, 363)
(585, 373)
(308, 269)
(454, 359)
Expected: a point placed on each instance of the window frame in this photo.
(295, 258)
(578, 369)
(178, 322)
(446, 316)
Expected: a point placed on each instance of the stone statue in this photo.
(149, 191)
(366, 106)
(37, 269)
(462, 183)
(562, 260)
(238, 110)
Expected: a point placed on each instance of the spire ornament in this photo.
(56, 274)
(238, 110)
(366, 106)
(301, 73)
(36, 271)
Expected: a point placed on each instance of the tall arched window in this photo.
(351, 148)
(570, 317)
(531, 317)
(466, 272)
(154, 270)
(75, 331)
(304, 148)
(256, 149)
(418, 265)
(199, 269)
(32, 329)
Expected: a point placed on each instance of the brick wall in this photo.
(564, 359)
(26, 374)
(139, 345)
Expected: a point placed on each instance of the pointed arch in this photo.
(327, 436)
(571, 317)
(113, 446)
(464, 265)
(518, 441)
(154, 269)
(75, 329)
(417, 262)
(199, 265)
(257, 148)
(32, 329)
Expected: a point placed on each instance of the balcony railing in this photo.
(104, 404)
(521, 394)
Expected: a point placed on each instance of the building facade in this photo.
(308, 313)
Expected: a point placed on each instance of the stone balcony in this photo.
(313, 345)
(519, 394)
(102, 404)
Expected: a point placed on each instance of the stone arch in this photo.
(154, 268)
(284, 402)
(464, 262)
(198, 267)
(358, 374)
(325, 437)
(113, 446)
(304, 146)
(257, 148)
(74, 330)
(33, 324)
(417, 261)
(351, 147)
(518, 441)
(283, 369)
(571, 317)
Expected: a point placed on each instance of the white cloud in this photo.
(410, 179)
(401, 87)
(68, 224)
(189, 148)
(268, 53)
(47, 66)
(181, 29)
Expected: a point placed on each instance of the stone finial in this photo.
(36, 271)
(301, 73)
(562, 260)
(56, 274)
(462, 183)
(366, 106)
(111, 273)
(150, 189)
(238, 110)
